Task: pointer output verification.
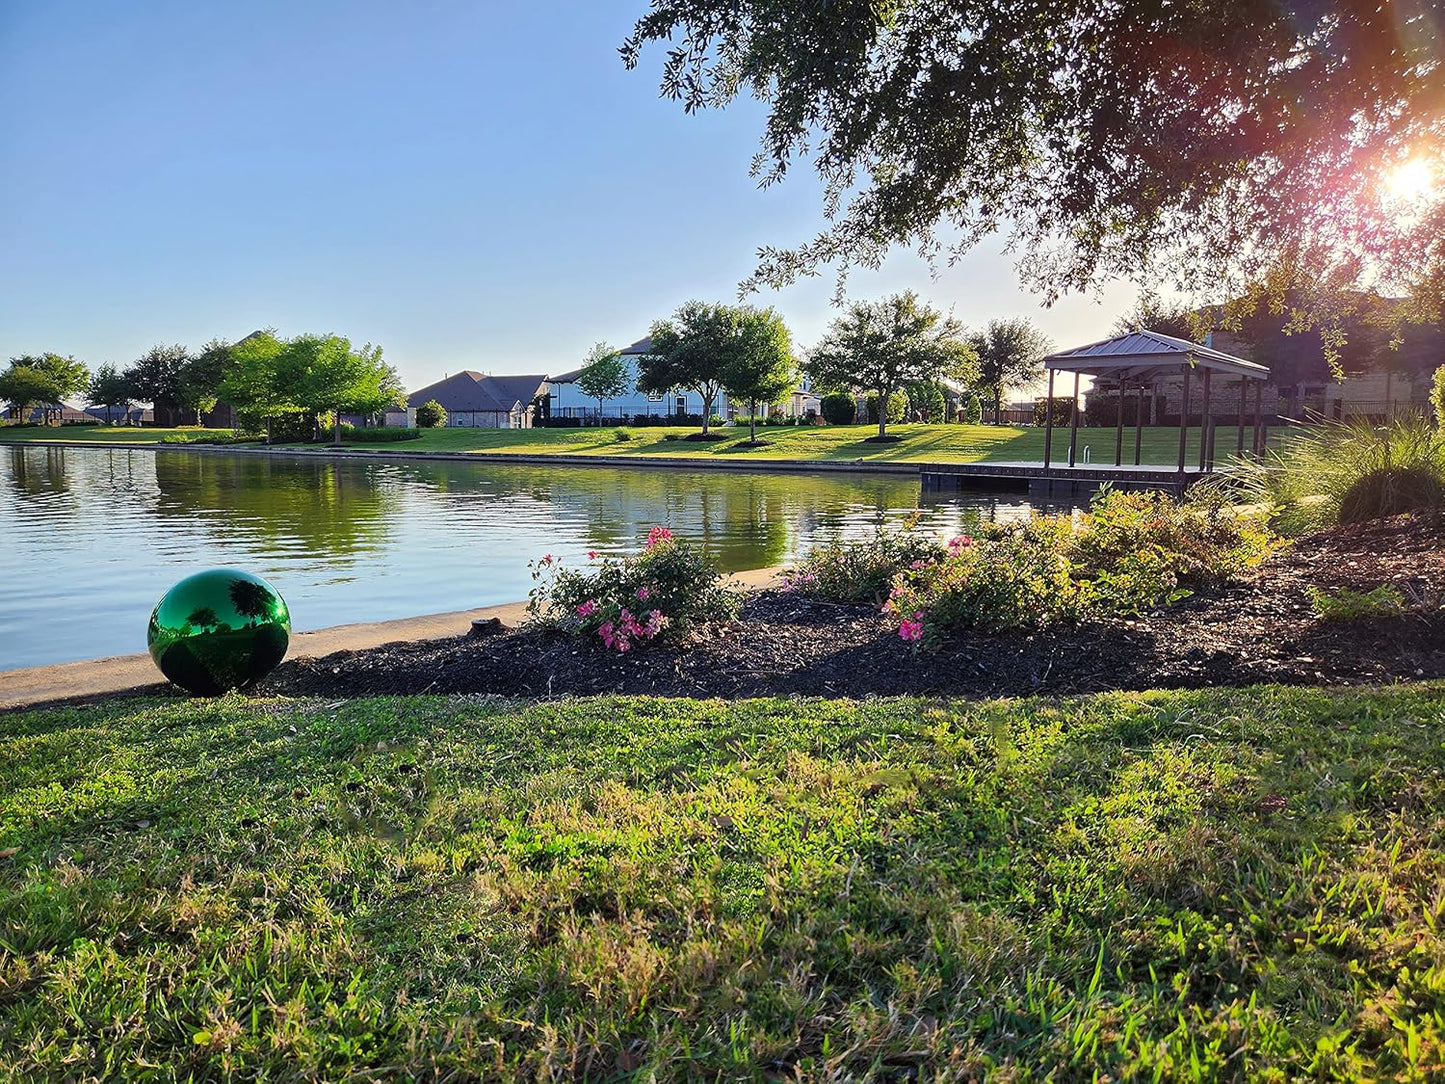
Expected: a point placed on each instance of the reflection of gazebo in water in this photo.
(1137, 362)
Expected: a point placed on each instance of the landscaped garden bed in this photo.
(1265, 626)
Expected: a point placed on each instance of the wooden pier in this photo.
(1056, 478)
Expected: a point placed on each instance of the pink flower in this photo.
(591, 555)
(657, 536)
(642, 593)
(911, 630)
(587, 609)
(604, 630)
(960, 542)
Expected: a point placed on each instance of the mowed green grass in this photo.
(1206, 885)
(835, 443)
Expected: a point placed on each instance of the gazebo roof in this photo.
(1145, 355)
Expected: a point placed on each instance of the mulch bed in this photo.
(1264, 630)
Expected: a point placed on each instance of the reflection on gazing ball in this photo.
(219, 630)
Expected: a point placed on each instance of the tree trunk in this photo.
(268, 429)
(752, 421)
(998, 405)
(706, 413)
(337, 416)
(882, 415)
(599, 412)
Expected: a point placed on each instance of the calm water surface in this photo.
(92, 537)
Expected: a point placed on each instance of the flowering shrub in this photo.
(626, 602)
(861, 571)
(1129, 553)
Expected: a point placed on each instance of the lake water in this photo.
(92, 537)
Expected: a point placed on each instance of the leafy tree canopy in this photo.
(199, 380)
(251, 382)
(1010, 355)
(758, 366)
(155, 377)
(1232, 147)
(879, 346)
(690, 351)
(108, 387)
(43, 378)
(604, 376)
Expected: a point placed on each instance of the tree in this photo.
(1151, 313)
(879, 346)
(1010, 354)
(604, 376)
(758, 365)
(973, 409)
(109, 388)
(689, 351)
(252, 385)
(839, 408)
(155, 377)
(325, 374)
(927, 398)
(1208, 143)
(43, 378)
(200, 377)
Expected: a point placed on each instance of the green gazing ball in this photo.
(219, 630)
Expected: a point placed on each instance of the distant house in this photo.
(55, 414)
(569, 401)
(477, 401)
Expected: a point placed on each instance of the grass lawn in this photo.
(1238, 884)
(938, 443)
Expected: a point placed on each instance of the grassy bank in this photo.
(841, 443)
(1192, 885)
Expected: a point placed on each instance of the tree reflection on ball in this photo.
(219, 630)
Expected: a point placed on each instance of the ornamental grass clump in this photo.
(1129, 554)
(625, 602)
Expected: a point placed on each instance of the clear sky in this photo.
(469, 184)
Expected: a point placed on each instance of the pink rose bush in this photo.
(626, 602)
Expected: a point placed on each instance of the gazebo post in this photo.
(1049, 422)
(1139, 425)
(1074, 421)
(1204, 420)
(1119, 427)
(1259, 438)
(1184, 421)
(1239, 434)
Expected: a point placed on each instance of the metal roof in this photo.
(641, 346)
(1146, 354)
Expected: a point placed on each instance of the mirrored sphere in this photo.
(219, 630)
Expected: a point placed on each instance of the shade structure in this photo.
(1142, 358)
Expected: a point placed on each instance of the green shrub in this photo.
(862, 570)
(927, 396)
(431, 415)
(973, 410)
(626, 602)
(1346, 605)
(897, 408)
(379, 434)
(1437, 396)
(622, 434)
(1132, 552)
(839, 408)
(1063, 410)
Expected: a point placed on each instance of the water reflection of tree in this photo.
(744, 520)
(251, 600)
(331, 508)
(205, 617)
(37, 472)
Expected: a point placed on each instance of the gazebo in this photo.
(1139, 360)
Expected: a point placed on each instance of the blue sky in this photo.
(471, 185)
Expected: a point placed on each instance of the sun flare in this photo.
(1410, 180)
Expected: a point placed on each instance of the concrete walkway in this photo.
(131, 673)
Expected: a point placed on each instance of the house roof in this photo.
(641, 346)
(473, 392)
(569, 377)
(1146, 354)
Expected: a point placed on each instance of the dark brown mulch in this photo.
(1260, 631)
